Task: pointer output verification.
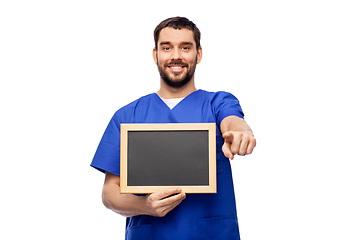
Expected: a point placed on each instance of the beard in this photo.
(176, 81)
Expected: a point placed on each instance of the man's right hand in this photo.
(160, 203)
(156, 204)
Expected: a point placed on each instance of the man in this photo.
(171, 214)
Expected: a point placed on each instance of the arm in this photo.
(238, 137)
(155, 204)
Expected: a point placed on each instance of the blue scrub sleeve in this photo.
(225, 104)
(107, 155)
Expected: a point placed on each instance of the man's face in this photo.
(176, 56)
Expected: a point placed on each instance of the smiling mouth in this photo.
(176, 68)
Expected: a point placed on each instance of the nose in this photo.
(176, 54)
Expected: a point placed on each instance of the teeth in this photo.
(176, 67)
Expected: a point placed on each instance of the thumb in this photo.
(228, 136)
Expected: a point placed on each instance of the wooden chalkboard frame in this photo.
(172, 127)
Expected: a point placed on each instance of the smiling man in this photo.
(171, 214)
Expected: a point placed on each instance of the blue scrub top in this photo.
(199, 216)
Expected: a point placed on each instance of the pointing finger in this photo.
(227, 151)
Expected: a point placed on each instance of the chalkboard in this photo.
(156, 157)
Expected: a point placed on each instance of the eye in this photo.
(186, 48)
(166, 48)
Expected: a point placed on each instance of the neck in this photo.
(168, 92)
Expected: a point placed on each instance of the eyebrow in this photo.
(164, 43)
(187, 43)
(183, 43)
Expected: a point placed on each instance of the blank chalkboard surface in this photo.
(155, 157)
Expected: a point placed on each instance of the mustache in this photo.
(181, 63)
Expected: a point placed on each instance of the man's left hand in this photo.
(237, 142)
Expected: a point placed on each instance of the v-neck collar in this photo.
(184, 99)
(172, 102)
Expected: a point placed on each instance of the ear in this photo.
(199, 55)
(155, 55)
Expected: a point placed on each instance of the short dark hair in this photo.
(178, 23)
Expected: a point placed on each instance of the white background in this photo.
(67, 66)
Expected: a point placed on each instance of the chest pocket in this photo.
(219, 228)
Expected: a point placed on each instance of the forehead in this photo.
(176, 36)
